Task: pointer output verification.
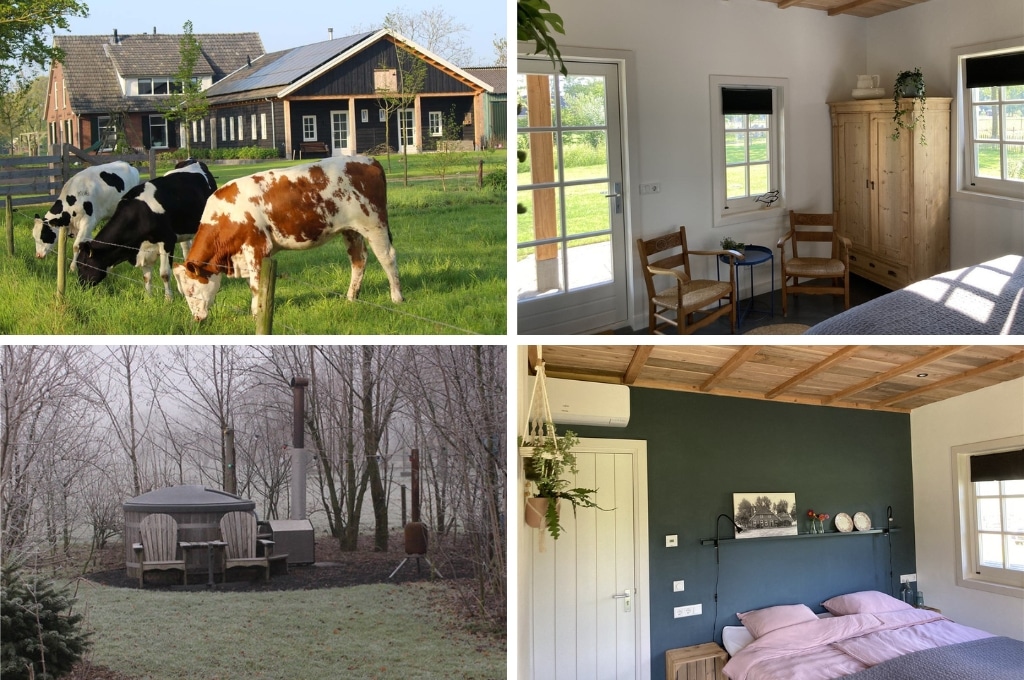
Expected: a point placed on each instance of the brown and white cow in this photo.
(293, 208)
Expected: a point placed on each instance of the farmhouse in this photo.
(724, 116)
(326, 99)
(896, 434)
(109, 84)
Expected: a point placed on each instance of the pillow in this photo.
(735, 638)
(763, 621)
(864, 602)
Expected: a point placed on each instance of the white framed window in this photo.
(158, 132)
(364, 116)
(434, 122)
(309, 128)
(223, 129)
(252, 126)
(263, 126)
(991, 145)
(241, 128)
(989, 494)
(382, 115)
(107, 132)
(195, 130)
(231, 128)
(747, 132)
(202, 130)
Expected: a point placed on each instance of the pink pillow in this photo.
(864, 602)
(763, 621)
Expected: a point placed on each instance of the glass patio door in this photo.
(571, 252)
(406, 129)
(339, 132)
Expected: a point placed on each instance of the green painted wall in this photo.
(703, 448)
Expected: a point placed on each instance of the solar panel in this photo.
(292, 65)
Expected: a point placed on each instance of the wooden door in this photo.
(851, 145)
(892, 190)
(586, 617)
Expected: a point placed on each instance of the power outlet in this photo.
(672, 541)
(650, 188)
(907, 578)
(678, 586)
(688, 610)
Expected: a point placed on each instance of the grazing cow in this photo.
(289, 209)
(87, 199)
(148, 221)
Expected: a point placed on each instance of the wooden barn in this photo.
(326, 99)
(113, 84)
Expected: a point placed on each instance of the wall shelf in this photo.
(827, 534)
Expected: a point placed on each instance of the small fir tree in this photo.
(40, 636)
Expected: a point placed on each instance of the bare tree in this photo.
(434, 29)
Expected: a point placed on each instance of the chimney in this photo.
(330, 34)
(298, 490)
(154, 30)
(115, 40)
(248, 61)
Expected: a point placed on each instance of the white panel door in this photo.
(339, 133)
(587, 620)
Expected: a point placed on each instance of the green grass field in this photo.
(451, 260)
(374, 631)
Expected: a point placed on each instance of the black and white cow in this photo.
(148, 221)
(87, 199)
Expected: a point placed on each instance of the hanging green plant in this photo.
(552, 460)
(908, 85)
(536, 22)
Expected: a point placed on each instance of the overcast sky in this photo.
(282, 25)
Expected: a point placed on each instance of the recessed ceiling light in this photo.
(922, 375)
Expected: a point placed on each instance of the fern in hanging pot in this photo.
(908, 85)
(552, 460)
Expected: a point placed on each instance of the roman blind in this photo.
(746, 100)
(994, 467)
(995, 71)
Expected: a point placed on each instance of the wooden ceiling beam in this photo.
(848, 7)
(729, 367)
(934, 355)
(788, 3)
(813, 370)
(636, 364)
(945, 382)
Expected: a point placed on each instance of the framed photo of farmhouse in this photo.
(765, 514)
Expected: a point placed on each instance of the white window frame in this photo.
(202, 130)
(223, 129)
(734, 211)
(263, 126)
(364, 116)
(984, 189)
(167, 131)
(252, 126)
(435, 124)
(382, 115)
(231, 128)
(309, 128)
(968, 572)
(241, 128)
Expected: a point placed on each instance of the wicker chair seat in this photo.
(819, 267)
(696, 294)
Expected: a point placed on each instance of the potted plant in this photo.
(552, 460)
(908, 85)
(729, 244)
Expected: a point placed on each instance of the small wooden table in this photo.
(700, 662)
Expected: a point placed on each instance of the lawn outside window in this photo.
(747, 116)
(991, 121)
(989, 494)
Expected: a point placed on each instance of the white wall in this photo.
(991, 413)
(677, 46)
(924, 35)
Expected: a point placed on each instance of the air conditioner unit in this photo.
(576, 402)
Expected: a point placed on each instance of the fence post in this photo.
(9, 214)
(62, 265)
(480, 174)
(265, 313)
(65, 164)
(152, 163)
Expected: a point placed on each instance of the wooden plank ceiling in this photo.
(895, 378)
(856, 8)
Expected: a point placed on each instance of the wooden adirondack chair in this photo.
(159, 546)
(238, 530)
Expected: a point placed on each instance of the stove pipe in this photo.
(297, 509)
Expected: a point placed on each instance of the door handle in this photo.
(628, 597)
(617, 195)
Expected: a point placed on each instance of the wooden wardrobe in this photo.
(892, 196)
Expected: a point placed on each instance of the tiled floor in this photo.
(803, 309)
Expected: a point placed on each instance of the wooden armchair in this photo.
(684, 295)
(835, 267)
(238, 529)
(158, 547)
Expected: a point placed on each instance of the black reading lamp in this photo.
(888, 539)
(718, 536)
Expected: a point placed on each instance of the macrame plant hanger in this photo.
(538, 426)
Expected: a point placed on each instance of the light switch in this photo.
(677, 586)
(671, 541)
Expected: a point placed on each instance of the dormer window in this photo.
(158, 86)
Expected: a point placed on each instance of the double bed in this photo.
(985, 299)
(865, 636)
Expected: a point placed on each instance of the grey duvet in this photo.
(994, 658)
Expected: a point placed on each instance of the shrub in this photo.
(40, 637)
(497, 180)
(242, 152)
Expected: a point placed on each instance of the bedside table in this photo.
(701, 662)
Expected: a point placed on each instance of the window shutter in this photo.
(995, 71)
(757, 101)
(994, 467)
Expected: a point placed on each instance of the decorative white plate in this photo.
(844, 523)
(861, 521)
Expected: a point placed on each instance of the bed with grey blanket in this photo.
(985, 299)
(994, 658)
